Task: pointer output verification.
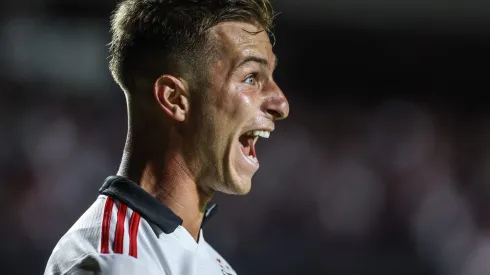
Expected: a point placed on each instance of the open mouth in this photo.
(248, 141)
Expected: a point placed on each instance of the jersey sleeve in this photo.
(104, 264)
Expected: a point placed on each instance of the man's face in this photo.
(239, 107)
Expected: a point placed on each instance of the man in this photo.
(197, 75)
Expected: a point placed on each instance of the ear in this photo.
(172, 94)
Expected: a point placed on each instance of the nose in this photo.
(276, 103)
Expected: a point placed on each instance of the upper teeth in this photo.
(260, 133)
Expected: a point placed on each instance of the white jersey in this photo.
(128, 232)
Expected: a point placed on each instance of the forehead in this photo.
(242, 39)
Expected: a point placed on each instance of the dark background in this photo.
(383, 166)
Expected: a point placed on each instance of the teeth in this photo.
(252, 158)
(259, 133)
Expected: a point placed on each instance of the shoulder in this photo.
(106, 229)
(107, 264)
(82, 237)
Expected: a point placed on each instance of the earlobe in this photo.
(170, 93)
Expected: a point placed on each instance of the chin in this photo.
(237, 187)
(243, 187)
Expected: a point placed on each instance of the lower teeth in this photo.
(252, 158)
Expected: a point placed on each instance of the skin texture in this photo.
(183, 141)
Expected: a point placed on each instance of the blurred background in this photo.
(383, 166)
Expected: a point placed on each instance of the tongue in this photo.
(252, 148)
(248, 147)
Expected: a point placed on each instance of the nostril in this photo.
(275, 114)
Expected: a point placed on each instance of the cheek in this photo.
(243, 103)
(246, 99)
(234, 103)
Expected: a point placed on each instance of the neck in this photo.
(165, 174)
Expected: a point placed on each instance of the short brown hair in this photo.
(154, 37)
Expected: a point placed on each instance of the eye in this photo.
(251, 79)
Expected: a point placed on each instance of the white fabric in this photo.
(78, 251)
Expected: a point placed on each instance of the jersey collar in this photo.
(147, 206)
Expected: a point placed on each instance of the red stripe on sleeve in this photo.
(119, 238)
(133, 234)
(106, 224)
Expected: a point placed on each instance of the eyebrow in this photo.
(259, 60)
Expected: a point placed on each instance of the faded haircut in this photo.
(155, 37)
